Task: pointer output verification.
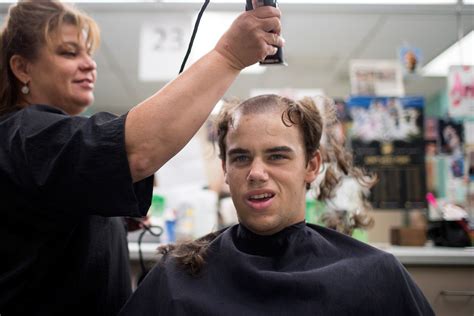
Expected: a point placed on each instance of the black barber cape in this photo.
(302, 270)
(62, 179)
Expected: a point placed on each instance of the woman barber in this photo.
(65, 179)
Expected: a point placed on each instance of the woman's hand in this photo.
(134, 224)
(254, 35)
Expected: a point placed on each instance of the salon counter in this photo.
(430, 255)
(425, 256)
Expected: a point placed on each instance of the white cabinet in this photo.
(449, 289)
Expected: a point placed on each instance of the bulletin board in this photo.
(387, 137)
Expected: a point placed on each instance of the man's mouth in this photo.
(260, 201)
(261, 197)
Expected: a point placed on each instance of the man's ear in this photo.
(312, 168)
(225, 171)
(19, 66)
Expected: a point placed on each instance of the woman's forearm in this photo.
(159, 127)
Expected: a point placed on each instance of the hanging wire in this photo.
(196, 26)
(153, 230)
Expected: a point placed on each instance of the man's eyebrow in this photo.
(279, 149)
(237, 151)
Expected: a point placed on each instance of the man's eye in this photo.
(241, 158)
(277, 157)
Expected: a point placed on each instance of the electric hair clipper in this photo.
(278, 57)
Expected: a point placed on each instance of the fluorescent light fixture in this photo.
(111, 1)
(460, 53)
(376, 2)
(93, 1)
(381, 2)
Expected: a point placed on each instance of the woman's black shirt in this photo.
(64, 183)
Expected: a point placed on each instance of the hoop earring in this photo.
(25, 89)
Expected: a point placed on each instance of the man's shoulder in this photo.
(347, 246)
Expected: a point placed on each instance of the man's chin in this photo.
(263, 228)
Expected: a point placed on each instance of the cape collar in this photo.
(272, 245)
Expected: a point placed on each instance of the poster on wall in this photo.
(386, 119)
(376, 78)
(461, 91)
(387, 138)
(452, 143)
(451, 136)
(410, 59)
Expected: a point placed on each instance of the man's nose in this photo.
(257, 172)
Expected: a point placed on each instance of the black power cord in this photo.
(150, 228)
(155, 231)
(191, 42)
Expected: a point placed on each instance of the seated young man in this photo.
(272, 262)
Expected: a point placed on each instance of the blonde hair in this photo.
(29, 26)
